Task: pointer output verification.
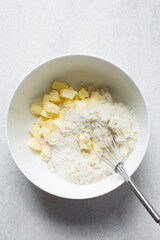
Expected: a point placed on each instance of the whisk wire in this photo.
(115, 150)
(105, 147)
(102, 154)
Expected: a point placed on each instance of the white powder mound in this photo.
(62, 151)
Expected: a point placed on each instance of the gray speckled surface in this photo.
(122, 31)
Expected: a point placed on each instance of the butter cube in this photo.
(40, 121)
(45, 99)
(50, 123)
(45, 114)
(96, 96)
(58, 85)
(54, 96)
(67, 93)
(83, 93)
(49, 127)
(80, 104)
(34, 144)
(84, 141)
(46, 130)
(58, 122)
(36, 109)
(35, 131)
(94, 99)
(68, 103)
(52, 108)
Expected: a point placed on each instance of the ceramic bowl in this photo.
(71, 69)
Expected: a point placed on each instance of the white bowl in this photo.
(71, 69)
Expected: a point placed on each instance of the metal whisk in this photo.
(115, 162)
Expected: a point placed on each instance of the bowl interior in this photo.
(71, 69)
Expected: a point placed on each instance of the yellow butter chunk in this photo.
(68, 103)
(52, 108)
(35, 131)
(83, 93)
(79, 104)
(45, 114)
(36, 109)
(85, 143)
(94, 99)
(58, 122)
(67, 93)
(54, 96)
(40, 121)
(34, 144)
(45, 99)
(47, 130)
(58, 85)
(50, 123)
(49, 127)
(95, 95)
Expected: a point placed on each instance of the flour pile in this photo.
(63, 149)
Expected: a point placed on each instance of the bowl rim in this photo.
(66, 56)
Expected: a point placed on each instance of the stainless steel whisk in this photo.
(118, 167)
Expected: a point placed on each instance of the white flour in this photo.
(62, 152)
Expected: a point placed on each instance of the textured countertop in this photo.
(122, 31)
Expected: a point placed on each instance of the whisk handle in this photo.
(144, 201)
